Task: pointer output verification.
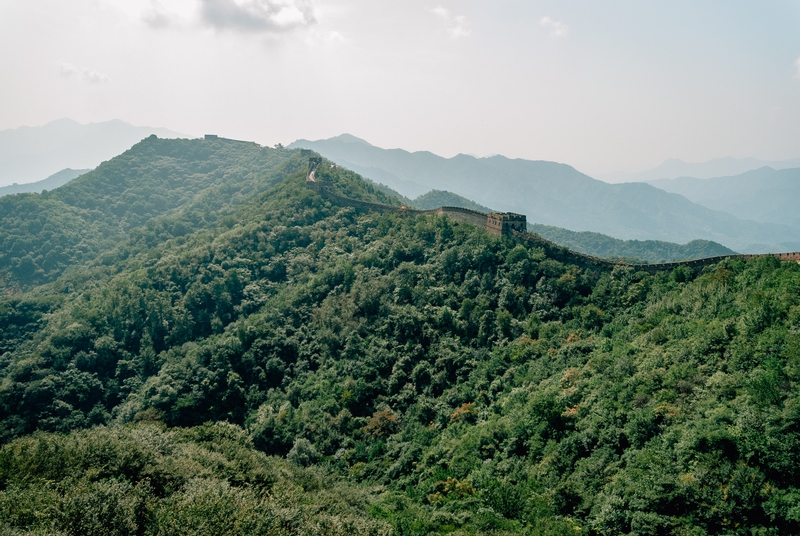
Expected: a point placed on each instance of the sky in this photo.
(605, 86)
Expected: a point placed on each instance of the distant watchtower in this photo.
(212, 137)
(505, 223)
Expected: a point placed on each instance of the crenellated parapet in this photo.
(505, 223)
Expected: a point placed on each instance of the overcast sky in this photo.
(602, 85)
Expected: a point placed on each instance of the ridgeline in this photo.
(246, 356)
(512, 224)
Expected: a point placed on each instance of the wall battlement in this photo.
(515, 225)
(505, 223)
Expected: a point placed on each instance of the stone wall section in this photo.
(510, 224)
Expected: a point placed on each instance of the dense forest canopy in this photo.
(196, 182)
(293, 367)
(636, 251)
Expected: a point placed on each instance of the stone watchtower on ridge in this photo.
(505, 223)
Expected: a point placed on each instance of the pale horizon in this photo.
(604, 87)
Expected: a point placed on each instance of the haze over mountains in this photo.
(193, 342)
(556, 194)
(53, 181)
(596, 244)
(766, 194)
(718, 167)
(752, 212)
(29, 154)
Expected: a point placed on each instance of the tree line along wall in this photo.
(510, 224)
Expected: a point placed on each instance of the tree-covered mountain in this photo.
(29, 153)
(50, 183)
(607, 247)
(557, 195)
(596, 244)
(197, 182)
(297, 367)
(765, 194)
(443, 198)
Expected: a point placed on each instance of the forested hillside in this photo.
(198, 181)
(441, 198)
(30, 154)
(556, 194)
(50, 183)
(596, 244)
(300, 368)
(604, 246)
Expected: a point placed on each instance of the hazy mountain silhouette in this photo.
(765, 194)
(50, 183)
(28, 154)
(555, 194)
(719, 167)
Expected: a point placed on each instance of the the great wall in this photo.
(514, 225)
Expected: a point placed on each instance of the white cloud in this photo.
(336, 37)
(93, 77)
(317, 37)
(457, 25)
(557, 29)
(157, 17)
(257, 16)
(68, 70)
(797, 64)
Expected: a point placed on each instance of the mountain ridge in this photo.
(765, 194)
(283, 364)
(718, 167)
(556, 194)
(29, 153)
(53, 181)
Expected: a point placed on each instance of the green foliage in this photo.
(633, 251)
(196, 182)
(146, 480)
(415, 373)
(443, 198)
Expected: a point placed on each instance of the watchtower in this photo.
(505, 223)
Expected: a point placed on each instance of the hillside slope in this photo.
(443, 198)
(198, 181)
(607, 247)
(29, 153)
(429, 376)
(50, 183)
(596, 244)
(556, 194)
(766, 195)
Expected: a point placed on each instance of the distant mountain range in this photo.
(604, 246)
(766, 195)
(50, 183)
(596, 244)
(719, 167)
(443, 198)
(29, 154)
(557, 195)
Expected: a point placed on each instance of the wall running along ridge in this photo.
(514, 225)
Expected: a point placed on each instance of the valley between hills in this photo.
(194, 342)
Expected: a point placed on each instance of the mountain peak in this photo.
(348, 138)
